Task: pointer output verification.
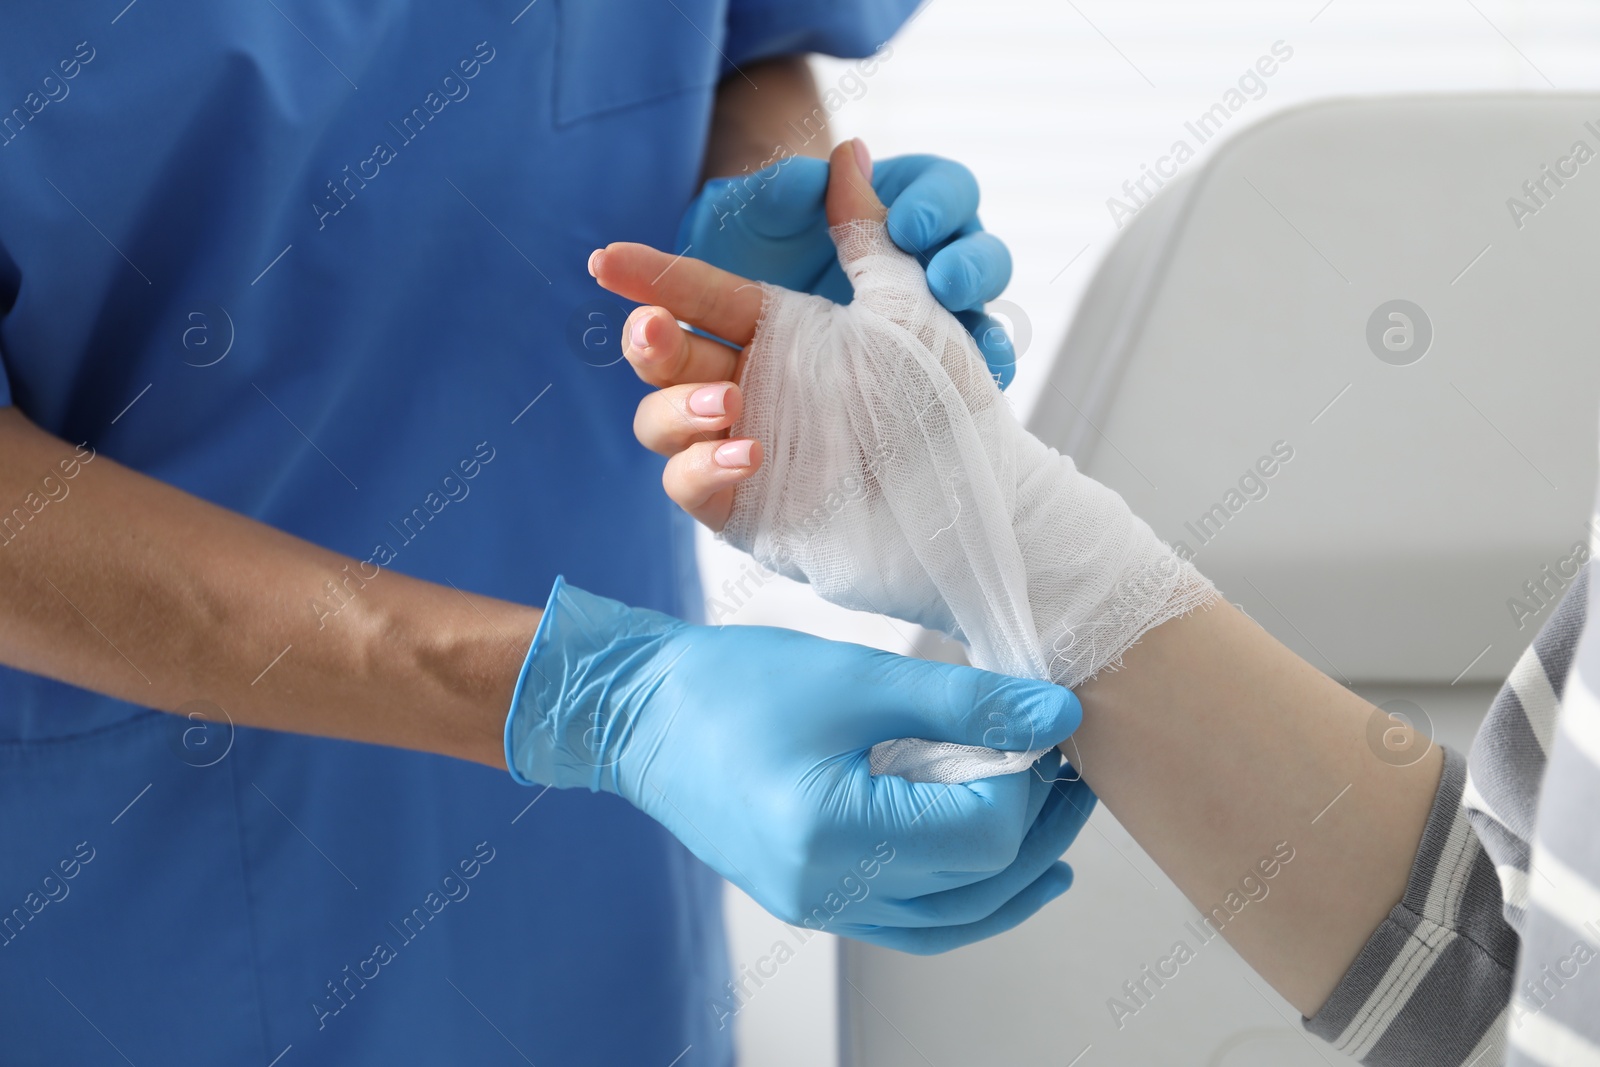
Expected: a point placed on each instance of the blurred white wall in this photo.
(1054, 105)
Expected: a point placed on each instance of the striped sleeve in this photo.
(1434, 983)
(1555, 1015)
(1431, 984)
(1508, 758)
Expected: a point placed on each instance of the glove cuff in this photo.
(567, 724)
(534, 691)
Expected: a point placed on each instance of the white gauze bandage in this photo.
(898, 480)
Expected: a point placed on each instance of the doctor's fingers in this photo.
(701, 479)
(1065, 810)
(970, 271)
(722, 304)
(663, 353)
(671, 419)
(931, 940)
(931, 200)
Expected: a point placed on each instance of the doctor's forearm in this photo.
(127, 586)
(1222, 753)
(769, 110)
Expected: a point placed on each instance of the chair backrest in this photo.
(1351, 362)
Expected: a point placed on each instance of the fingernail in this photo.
(594, 262)
(863, 158)
(734, 454)
(636, 337)
(712, 400)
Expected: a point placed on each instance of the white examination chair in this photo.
(1433, 481)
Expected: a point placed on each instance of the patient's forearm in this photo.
(1213, 745)
(888, 457)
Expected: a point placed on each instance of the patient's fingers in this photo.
(702, 477)
(717, 302)
(664, 353)
(671, 419)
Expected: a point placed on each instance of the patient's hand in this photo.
(817, 513)
(698, 398)
(895, 478)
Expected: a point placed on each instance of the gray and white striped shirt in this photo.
(1487, 959)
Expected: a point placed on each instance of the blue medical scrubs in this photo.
(322, 263)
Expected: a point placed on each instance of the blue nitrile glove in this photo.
(769, 225)
(750, 743)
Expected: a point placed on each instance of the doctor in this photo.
(307, 402)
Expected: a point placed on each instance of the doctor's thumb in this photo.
(988, 710)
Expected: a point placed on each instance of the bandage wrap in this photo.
(897, 480)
